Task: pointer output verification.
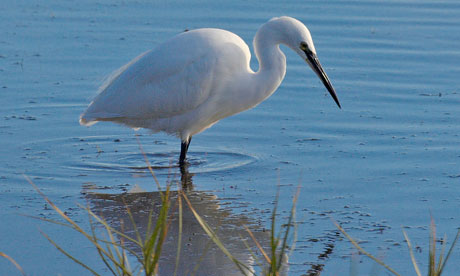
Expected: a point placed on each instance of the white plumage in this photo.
(196, 78)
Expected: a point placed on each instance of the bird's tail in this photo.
(85, 121)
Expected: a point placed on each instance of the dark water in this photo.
(389, 159)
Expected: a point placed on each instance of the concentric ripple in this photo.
(113, 155)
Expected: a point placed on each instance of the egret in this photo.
(190, 82)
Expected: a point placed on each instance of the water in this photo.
(389, 159)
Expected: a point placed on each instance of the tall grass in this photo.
(275, 260)
(435, 268)
(279, 243)
(112, 249)
(435, 265)
(114, 253)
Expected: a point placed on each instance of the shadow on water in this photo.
(198, 252)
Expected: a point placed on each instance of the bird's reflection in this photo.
(186, 177)
(199, 255)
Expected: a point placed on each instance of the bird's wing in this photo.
(161, 83)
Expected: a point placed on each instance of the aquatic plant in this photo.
(114, 252)
(435, 268)
(111, 249)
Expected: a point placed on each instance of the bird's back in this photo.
(171, 80)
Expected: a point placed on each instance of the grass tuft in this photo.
(111, 249)
(433, 268)
(113, 252)
(278, 243)
(360, 249)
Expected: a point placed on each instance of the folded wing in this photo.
(168, 81)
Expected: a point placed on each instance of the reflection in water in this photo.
(186, 177)
(317, 268)
(197, 248)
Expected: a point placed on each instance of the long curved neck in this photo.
(272, 62)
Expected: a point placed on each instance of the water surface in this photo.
(389, 159)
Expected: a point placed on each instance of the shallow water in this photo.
(389, 159)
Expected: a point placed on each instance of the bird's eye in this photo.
(303, 46)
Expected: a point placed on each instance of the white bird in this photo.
(191, 81)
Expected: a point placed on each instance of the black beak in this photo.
(312, 59)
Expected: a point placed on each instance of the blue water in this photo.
(389, 159)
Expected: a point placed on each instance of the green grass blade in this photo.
(274, 241)
(450, 252)
(441, 255)
(432, 253)
(159, 244)
(153, 244)
(288, 227)
(149, 243)
(108, 255)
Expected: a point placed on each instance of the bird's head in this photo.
(297, 37)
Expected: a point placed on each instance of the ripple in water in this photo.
(114, 155)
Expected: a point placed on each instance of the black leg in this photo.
(183, 150)
(189, 140)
